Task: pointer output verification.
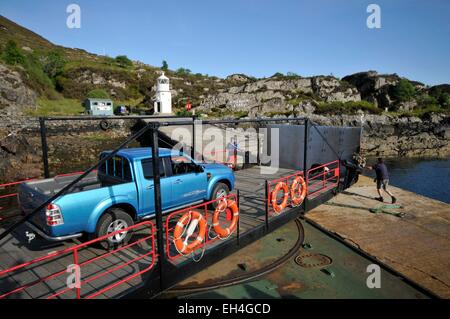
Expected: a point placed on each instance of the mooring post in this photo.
(305, 162)
(44, 146)
(158, 206)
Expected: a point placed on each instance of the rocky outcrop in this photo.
(377, 89)
(18, 158)
(279, 95)
(15, 96)
(331, 89)
(240, 78)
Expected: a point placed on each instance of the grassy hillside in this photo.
(63, 77)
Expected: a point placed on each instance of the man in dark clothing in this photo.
(382, 179)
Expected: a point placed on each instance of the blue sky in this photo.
(255, 37)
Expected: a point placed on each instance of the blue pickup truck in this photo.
(121, 193)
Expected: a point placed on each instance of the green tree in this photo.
(164, 66)
(123, 61)
(444, 99)
(13, 54)
(425, 100)
(403, 91)
(98, 94)
(183, 71)
(54, 64)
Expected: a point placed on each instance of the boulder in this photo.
(15, 96)
(374, 87)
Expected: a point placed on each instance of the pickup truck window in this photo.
(147, 168)
(182, 165)
(117, 167)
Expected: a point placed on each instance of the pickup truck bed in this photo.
(51, 186)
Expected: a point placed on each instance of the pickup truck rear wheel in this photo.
(219, 190)
(113, 220)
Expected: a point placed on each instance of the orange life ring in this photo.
(298, 196)
(223, 206)
(279, 207)
(194, 218)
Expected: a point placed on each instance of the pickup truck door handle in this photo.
(178, 181)
(149, 187)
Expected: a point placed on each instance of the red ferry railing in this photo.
(270, 187)
(323, 178)
(75, 250)
(318, 180)
(172, 219)
(5, 185)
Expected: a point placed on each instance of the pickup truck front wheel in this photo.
(219, 190)
(113, 220)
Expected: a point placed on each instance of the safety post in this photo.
(158, 206)
(305, 160)
(43, 129)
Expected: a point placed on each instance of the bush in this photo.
(98, 94)
(424, 100)
(164, 66)
(37, 78)
(183, 71)
(183, 112)
(292, 74)
(123, 61)
(444, 100)
(12, 54)
(423, 112)
(346, 108)
(403, 91)
(54, 64)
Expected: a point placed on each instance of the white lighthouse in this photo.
(163, 97)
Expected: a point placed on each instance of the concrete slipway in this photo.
(416, 245)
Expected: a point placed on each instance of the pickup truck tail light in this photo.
(53, 215)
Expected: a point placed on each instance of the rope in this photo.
(386, 209)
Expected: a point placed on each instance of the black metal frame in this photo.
(167, 274)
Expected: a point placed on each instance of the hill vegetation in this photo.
(64, 77)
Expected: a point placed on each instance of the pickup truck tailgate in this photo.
(30, 198)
